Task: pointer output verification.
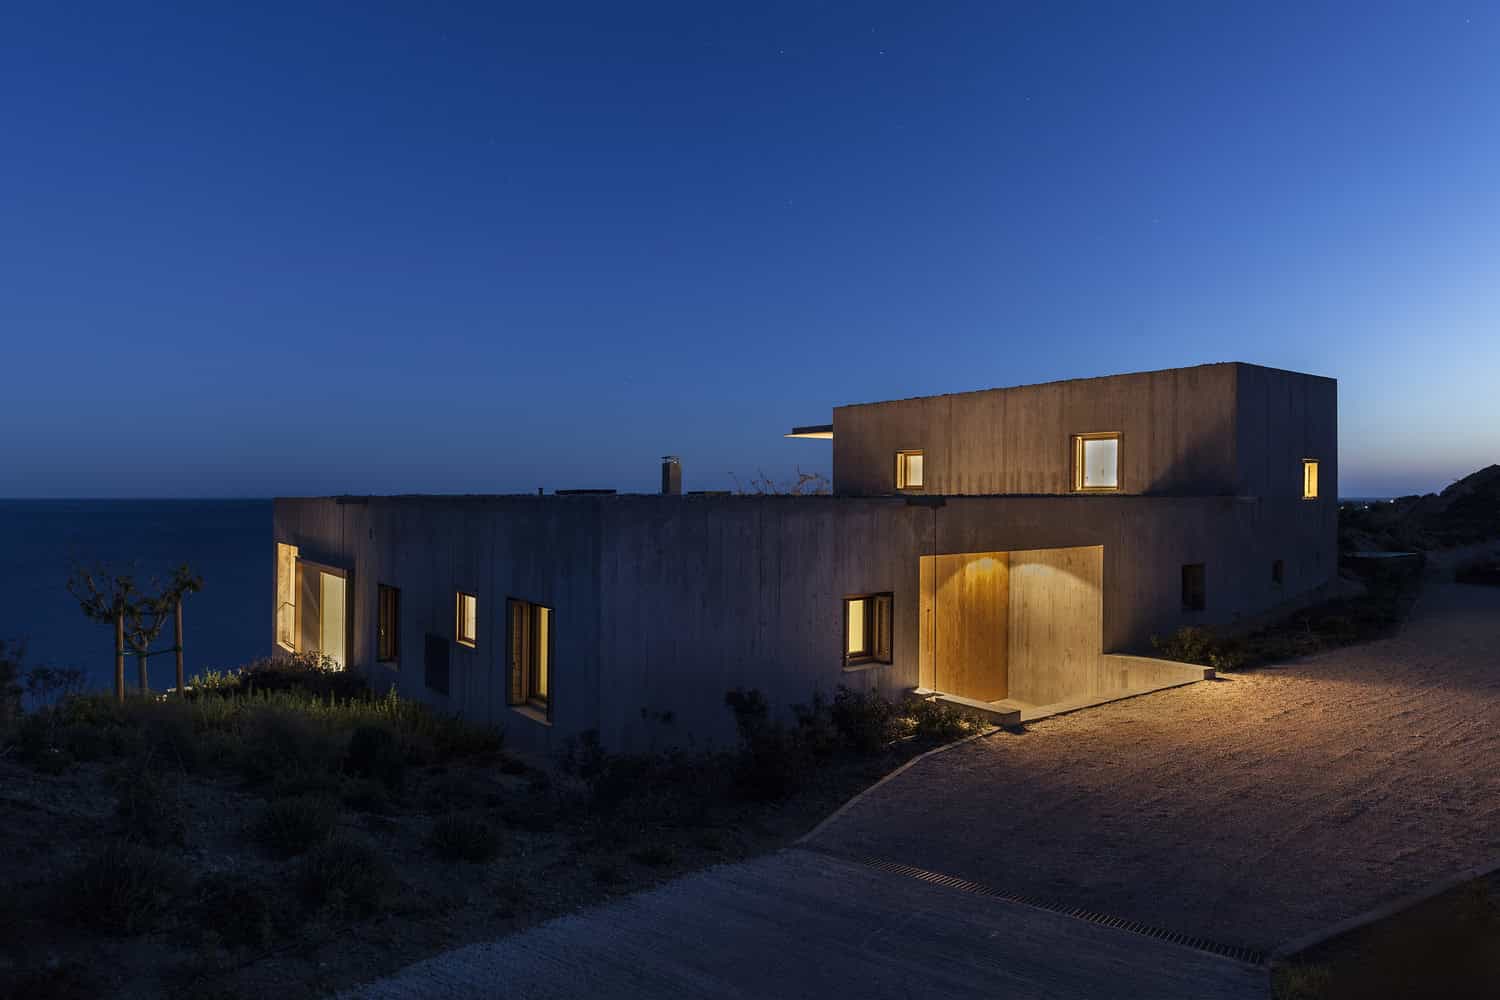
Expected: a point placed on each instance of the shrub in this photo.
(86, 743)
(609, 873)
(309, 673)
(862, 718)
(278, 743)
(769, 765)
(463, 837)
(1480, 571)
(237, 908)
(933, 720)
(375, 752)
(291, 826)
(345, 873)
(150, 808)
(124, 888)
(1194, 644)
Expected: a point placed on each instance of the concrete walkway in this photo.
(799, 924)
(1250, 810)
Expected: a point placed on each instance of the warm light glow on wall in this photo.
(1309, 479)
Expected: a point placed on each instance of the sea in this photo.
(226, 542)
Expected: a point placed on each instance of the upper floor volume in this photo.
(1228, 429)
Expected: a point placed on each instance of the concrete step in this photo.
(1000, 715)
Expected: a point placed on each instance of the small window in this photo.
(1309, 479)
(1278, 571)
(867, 629)
(1193, 598)
(531, 645)
(388, 624)
(466, 628)
(1096, 462)
(908, 470)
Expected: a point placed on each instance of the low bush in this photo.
(1485, 572)
(929, 719)
(278, 743)
(1194, 644)
(655, 856)
(87, 743)
(237, 908)
(306, 673)
(770, 762)
(125, 888)
(862, 719)
(292, 826)
(345, 874)
(464, 837)
(150, 808)
(375, 752)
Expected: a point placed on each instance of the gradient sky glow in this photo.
(267, 249)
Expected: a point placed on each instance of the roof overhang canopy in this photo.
(820, 432)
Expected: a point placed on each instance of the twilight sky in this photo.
(260, 249)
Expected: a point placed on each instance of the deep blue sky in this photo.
(253, 249)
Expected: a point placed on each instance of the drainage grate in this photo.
(1239, 954)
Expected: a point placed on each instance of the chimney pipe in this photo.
(671, 476)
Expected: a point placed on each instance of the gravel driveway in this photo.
(1248, 810)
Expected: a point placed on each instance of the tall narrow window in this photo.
(1194, 597)
(867, 629)
(1309, 479)
(1096, 462)
(909, 470)
(466, 627)
(286, 596)
(388, 624)
(1278, 571)
(531, 645)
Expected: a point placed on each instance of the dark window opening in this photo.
(1193, 587)
(531, 645)
(388, 624)
(1278, 571)
(867, 629)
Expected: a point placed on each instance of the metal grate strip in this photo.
(1250, 956)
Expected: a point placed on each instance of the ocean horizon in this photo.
(226, 542)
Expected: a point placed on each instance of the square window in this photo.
(466, 627)
(1096, 462)
(867, 629)
(909, 470)
(1309, 479)
(1193, 597)
(388, 624)
(1278, 571)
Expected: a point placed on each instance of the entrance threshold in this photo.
(1009, 712)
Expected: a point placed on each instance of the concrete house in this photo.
(1010, 548)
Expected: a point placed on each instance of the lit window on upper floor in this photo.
(1309, 479)
(1096, 462)
(909, 470)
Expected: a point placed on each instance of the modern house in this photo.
(1011, 548)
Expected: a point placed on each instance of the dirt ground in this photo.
(1248, 810)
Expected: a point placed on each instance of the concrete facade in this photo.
(662, 604)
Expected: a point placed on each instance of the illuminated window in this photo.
(531, 646)
(466, 630)
(1096, 462)
(286, 596)
(388, 624)
(867, 629)
(1309, 479)
(908, 470)
(1193, 596)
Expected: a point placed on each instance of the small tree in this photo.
(138, 616)
(12, 658)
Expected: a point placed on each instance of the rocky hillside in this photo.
(1466, 512)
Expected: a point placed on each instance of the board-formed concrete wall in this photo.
(663, 604)
(1177, 435)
